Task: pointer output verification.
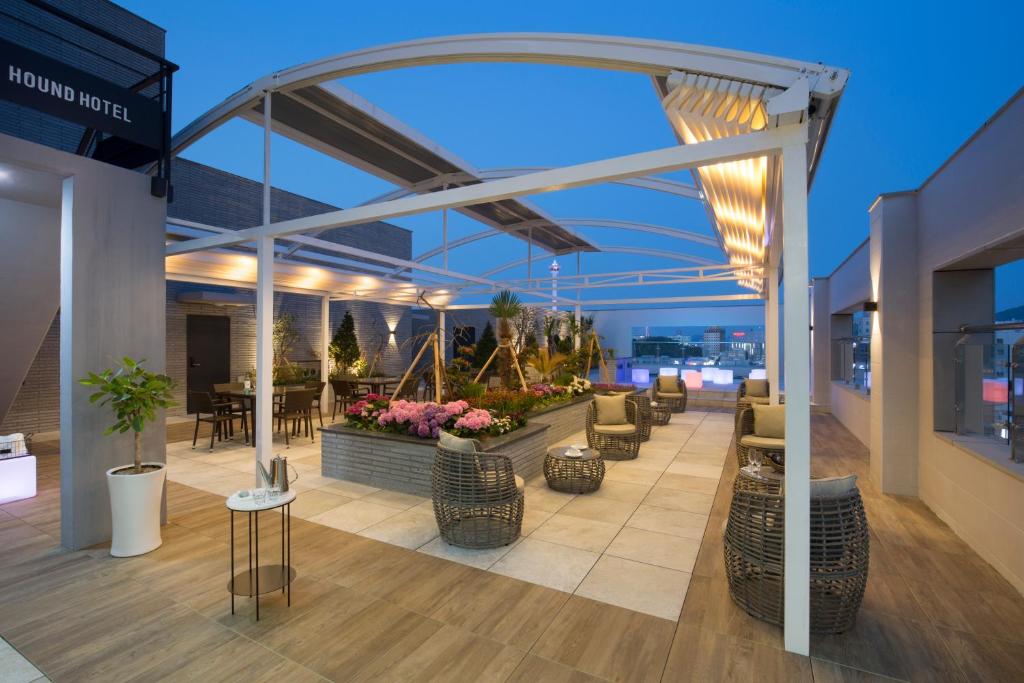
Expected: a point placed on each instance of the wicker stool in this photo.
(477, 501)
(754, 557)
(660, 415)
(581, 474)
(643, 415)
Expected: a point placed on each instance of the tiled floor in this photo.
(632, 543)
(16, 669)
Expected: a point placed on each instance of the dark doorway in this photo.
(208, 352)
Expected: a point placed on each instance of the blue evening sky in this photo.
(924, 77)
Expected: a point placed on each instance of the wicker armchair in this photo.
(774, 449)
(676, 401)
(754, 554)
(478, 500)
(744, 400)
(643, 414)
(614, 442)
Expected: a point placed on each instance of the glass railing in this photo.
(852, 362)
(984, 402)
(741, 358)
(989, 384)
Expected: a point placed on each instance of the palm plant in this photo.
(504, 307)
(547, 363)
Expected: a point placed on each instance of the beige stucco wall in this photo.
(853, 409)
(961, 218)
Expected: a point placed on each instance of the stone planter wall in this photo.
(563, 420)
(403, 463)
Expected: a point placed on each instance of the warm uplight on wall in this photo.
(870, 306)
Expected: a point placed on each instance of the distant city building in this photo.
(713, 338)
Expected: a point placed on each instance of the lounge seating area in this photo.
(575, 402)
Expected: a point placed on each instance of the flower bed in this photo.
(426, 420)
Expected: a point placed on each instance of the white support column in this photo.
(264, 350)
(265, 314)
(442, 323)
(444, 232)
(325, 340)
(576, 340)
(771, 335)
(796, 319)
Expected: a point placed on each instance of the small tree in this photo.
(134, 394)
(344, 348)
(485, 347)
(285, 335)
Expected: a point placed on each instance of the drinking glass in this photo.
(756, 458)
(260, 496)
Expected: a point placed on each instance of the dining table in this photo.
(376, 385)
(248, 400)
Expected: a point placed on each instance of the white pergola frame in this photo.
(787, 141)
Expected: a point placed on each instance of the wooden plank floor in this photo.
(365, 610)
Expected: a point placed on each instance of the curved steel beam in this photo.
(641, 251)
(588, 222)
(662, 230)
(651, 57)
(672, 187)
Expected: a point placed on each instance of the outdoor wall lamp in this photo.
(870, 306)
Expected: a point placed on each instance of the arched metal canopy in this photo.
(724, 92)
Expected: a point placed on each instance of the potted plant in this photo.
(134, 394)
(504, 307)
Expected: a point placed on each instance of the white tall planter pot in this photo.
(135, 510)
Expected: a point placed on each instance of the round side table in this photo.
(259, 580)
(582, 474)
(660, 414)
(763, 480)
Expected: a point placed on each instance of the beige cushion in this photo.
(520, 483)
(611, 410)
(752, 400)
(456, 443)
(770, 421)
(833, 487)
(615, 429)
(668, 384)
(754, 441)
(757, 387)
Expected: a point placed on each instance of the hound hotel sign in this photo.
(34, 80)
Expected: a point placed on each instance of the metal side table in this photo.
(259, 580)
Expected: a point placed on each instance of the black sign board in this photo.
(34, 80)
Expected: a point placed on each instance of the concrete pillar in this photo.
(325, 343)
(771, 336)
(578, 313)
(895, 357)
(796, 634)
(112, 300)
(821, 343)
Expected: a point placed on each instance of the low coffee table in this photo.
(660, 414)
(582, 474)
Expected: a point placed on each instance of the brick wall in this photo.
(22, 23)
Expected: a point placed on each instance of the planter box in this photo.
(402, 463)
(564, 419)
